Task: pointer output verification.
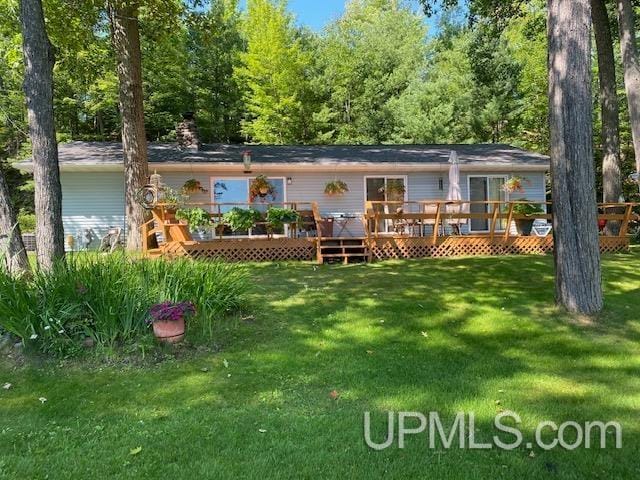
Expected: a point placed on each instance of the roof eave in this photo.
(296, 167)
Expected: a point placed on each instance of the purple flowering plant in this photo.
(171, 311)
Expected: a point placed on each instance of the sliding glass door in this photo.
(385, 189)
(485, 189)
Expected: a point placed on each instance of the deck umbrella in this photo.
(454, 194)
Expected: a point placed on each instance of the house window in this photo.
(485, 188)
(236, 190)
(227, 193)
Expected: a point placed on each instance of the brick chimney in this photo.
(187, 132)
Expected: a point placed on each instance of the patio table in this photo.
(342, 220)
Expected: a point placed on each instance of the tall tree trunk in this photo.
(123, 16)
(609, 110)
(577, 253)
(631, 63)
(38, 88)
(14, 252)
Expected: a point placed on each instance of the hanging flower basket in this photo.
(393, 188)
(335, 187)
(193, 186)
(515, 184)
(261, 187)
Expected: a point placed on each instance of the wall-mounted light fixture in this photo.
(246, 161)
(289, 180)
(441, 184)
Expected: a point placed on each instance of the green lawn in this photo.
(445, 335)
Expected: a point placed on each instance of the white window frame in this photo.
(213, 179)
(386, 177)
(504, 176)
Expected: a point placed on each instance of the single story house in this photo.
(93, 183)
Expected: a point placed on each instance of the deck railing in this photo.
(164, 222)
(418, 216)
(426, 218)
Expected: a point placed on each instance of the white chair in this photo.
(431, 209)
(456, 223)
(541, 228)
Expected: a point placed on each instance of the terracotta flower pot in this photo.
(169, 331)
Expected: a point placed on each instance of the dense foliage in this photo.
(107, 300)
(377, 74)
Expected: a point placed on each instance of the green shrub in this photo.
(527, 208)
(107, 298)
(241, 218)
(196, 218)
(277, 216)
(27, 222)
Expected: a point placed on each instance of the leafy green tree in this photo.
(497, 99)
(527, 40)
(436, 107)
(368, 59)
(274, 77)
(165, 73)
(214, 45)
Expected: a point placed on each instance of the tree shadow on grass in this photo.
(475, 334)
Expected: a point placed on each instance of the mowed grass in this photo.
(475, 335)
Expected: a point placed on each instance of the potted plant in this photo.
(277, 217)
(335, 187)
(193, 186)
(261, 187)
(524, 225)
(168, 320)
(196, 218)
(171, 199)
(393, 187)
(241, 218)
(515, 184)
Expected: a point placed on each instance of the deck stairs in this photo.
(343, 249)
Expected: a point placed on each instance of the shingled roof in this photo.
(105, 153)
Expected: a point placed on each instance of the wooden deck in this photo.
(413, 230)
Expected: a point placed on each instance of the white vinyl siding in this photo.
(92, 201)
(96, 199)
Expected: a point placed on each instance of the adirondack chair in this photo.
(111, 240)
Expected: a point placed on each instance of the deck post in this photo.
(436, 226)
(625, 223)
(507, 230)
(494, 219)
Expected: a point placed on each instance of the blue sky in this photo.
(318, 13)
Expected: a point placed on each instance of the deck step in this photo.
(342, 239)
(342, 248)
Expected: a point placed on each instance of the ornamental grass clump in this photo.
(105, 301)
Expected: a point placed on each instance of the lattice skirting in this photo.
(245, 250)
(405, 247)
